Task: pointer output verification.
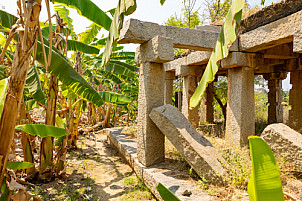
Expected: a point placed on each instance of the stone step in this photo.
(196, 149)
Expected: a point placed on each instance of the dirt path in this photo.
(109, 177)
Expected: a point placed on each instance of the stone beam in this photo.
(184, 70)
(284, 51)
(236, 59)
(271, 35)
(193, 59)
(136, 31)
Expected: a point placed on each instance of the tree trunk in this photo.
(21, 62)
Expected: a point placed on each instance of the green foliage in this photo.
(63, 70)
(88, 9)
(91, 32)
(4, 190)
(226, 37)
(64, 15)
(115, 98)
(3, 89)
(162, 2)
(17, 165)
(42, 130)
(124, 8)
(218, 10)
(166, 194)
(187, 20)
(33, 83)
(73, 45)
(7, 20)
(265, 183)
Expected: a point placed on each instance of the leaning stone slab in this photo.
(196, 149)
(284, 141)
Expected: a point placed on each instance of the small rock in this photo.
(187, 193)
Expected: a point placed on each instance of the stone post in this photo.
(295, 100)
(150, 56)
(240, 121)
(169, 77)
(206, 106)
(275, 108)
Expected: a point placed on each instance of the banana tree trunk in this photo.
(107, 116)
(47, 145)
(21, 62)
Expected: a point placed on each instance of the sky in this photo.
(147, 10)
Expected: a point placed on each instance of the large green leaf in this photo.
(115, 98)
(7, 20)
(265, 183)
(4, 190)
(123, 55)
(18, 165)
(88, 9)
(3, 89)
(91, 32)
(226, 37)
(166, 194)
(33, 83)
(124, 8)
(77, 46)
(63, 70)
(64, 14)
(117, 68)
(42, 130)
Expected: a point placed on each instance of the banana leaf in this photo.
(77, 46)
(116, 67)
(115, 98)
(265, 183)
(226, 37)
(3, 89)
(124, 8)
(7, 20)
(42, 130)
(64, 14)
(18, 165)
(63, 70)
(90, 34)
(88, 9)
(166, 194)
(34, 85)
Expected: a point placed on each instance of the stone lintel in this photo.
(194, 58)
(275, 76)
(298, 41)
(284, 51)
(184, 70)
(271, 35)
(294, 65)
(240, 59)
(159, 50)
(136, 31)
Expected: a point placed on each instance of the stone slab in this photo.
(159, 50)
(271, 35)
(195, 148)
(284, 141)
(136, 31)
(193, 59)
(155, 174)
(236, 59)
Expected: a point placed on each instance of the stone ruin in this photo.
(268, 44)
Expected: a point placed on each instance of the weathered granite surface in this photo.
(195, 148)
(136, 31)
(159, 173)
(284, 141)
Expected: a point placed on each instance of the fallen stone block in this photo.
(285, 142)
(196, 149)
